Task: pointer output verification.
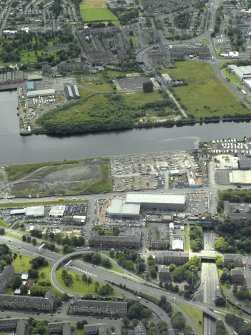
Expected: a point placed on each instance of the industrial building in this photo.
(57, 211)
(41, 93)
(120, 208)
(71, 92)
(34, 211)
(240, 177)
(134, 202)
(157, 201)
(242, 72)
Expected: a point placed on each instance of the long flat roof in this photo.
(119, 207)
(139, 198)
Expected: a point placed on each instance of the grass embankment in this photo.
(96, 10)
(105, 184)
(78, 286)
(3, 224)
(204, 95)
(196, 315)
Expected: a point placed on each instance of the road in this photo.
(210, 284)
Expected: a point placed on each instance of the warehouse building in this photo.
(242, 72)
(57, 211)
(120, 208)
(240, 177)
(157, 201)
(71, 92)
(41, 93)
(134, 202)
(34, 211)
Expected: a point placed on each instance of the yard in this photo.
(204, 95)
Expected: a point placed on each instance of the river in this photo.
(18, 149)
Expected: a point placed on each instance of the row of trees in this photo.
(196, 238)
(96, 258)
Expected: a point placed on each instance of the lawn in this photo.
(204, 95)
(16, 236)
(232, 77)
(21, 264)
(96, 10)
(196, 315)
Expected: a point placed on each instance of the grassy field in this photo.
(96, 10)
(187, 238)
(196, 315)
(204, 95)
(16, 236)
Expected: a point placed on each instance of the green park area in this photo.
(204, 95)
(96, 11)
(30, 48)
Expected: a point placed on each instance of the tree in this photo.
(220, 301)
(16, 282)
(106, 263)
(23, 289)
(148, 87)
(2, 231)
(178, 321)
(246, 329)
(33, 274)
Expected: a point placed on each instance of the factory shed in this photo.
(57, 211)
(19, 211)
(120, 208)
(34, 211)
(40, 93)
(240, 177)
(161, 201)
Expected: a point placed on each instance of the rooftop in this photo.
(155, 198)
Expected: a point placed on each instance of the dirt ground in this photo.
(58, 179)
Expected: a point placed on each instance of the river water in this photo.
(20, 149)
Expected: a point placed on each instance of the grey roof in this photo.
(34, 211)
(152, 198)
(119, 207)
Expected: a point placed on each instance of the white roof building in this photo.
(168, 201)
(177, 244)
(120, 208)
(57, 211)
(240, 177)
(40, 93)
(34, 211)
(241, 72)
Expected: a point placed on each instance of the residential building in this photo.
(97, 329)
(99, 307)
(233, 259)
(168, 257)
(5, 277)
(164, 274)
(18, 302)
(237, 276)
(127, 241)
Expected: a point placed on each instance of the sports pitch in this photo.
(96, 10)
